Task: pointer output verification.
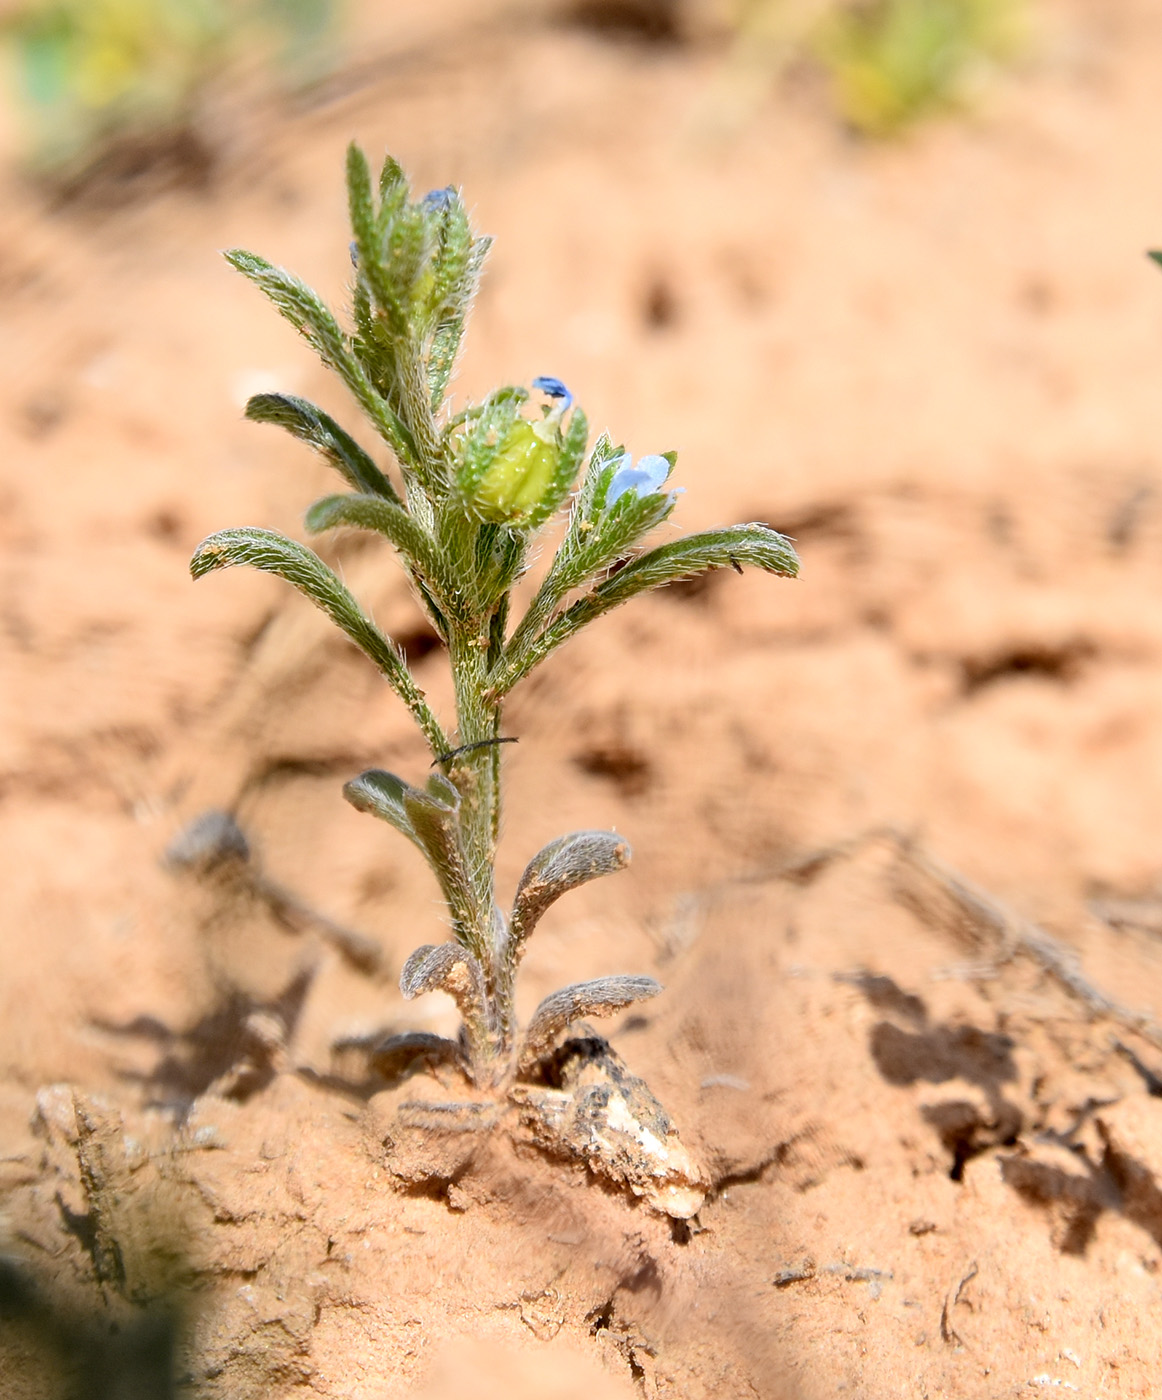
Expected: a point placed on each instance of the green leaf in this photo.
(458, 263)
(756, 545)
(369, 239)
(275, 554)
(382, 795)
(442, 356)
(437, 827)
(302, 307)
(391, 177)
(360, 203)
(311, 318)
(318, 430)
(431, 821)
(364, 512)
(595, 540)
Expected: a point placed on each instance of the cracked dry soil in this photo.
(922, 1072)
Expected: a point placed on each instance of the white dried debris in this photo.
(594, 1110)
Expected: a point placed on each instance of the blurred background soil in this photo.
(896, 824)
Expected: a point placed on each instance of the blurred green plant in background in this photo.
(90, 72)
(895, 61)
(890, 62)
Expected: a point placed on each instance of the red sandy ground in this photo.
(938, 365)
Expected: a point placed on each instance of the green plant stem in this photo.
(477, 777)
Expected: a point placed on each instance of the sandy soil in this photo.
(896, 824)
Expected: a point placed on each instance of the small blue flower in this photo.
(554, 389)
(650, 475)
(439, 200)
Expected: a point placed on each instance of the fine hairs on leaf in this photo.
(463, 497)
(601, 997)
(312, 426)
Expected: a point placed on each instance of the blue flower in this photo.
(650, 474)
(439, 200)
(554, 389)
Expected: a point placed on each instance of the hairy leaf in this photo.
(561, 866)
(573, 444)
(311, 318)
(366, 512)
(396, 1052)
(442, 967)
(448, 967)
(437, 827)
(316, 428)
(756, 545)
(382, 795)
(596, 538)
(449, 330)
(602, 997)
(369, 237)
(275, 554)
(429, 819)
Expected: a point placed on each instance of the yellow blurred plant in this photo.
(88, 71)
(890, 62)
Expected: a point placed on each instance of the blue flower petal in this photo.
(440, 199)
(656, 468)
(649, 474)
(554, 388)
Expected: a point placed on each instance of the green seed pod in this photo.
(522, 472)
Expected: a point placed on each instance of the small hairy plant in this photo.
(462, 501)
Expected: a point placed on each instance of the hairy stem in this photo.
(476, 774)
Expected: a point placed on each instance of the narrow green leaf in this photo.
(594, 541)
(275, 554)
(391, 176)
(431, 821)
(445, 348)
(301, 306)
(360, 203)
(311, 318)
(365, 512)
(368, 236)
(318, 430)
(756, 545)
(437, 828)
(382, 795)
(449, 332)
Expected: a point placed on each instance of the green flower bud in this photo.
(521, 473)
